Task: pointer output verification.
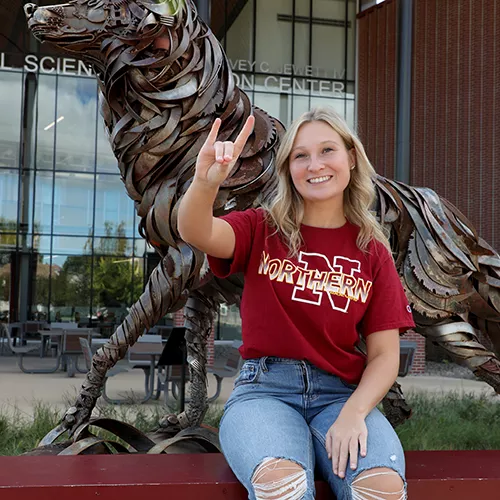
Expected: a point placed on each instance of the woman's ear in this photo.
(352, 157)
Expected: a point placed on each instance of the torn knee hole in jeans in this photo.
(361, 492)
(277, 478)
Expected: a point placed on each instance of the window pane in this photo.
(229, 323)
(41, 282)
(11, 85)
(46, 124)
(5, 280)
(9, 180)
(328, 40)
(137, 279)
(240, 35)
(71, 245)
(114, 246)
(139, 247)
(73, 203)
(114, 209)
(70, 289)
(43, 202)
(76, 130)
(273, 36)
(106, 161)
(112, 287)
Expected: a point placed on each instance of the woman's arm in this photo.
(196, 224)
(381, 371)
(349, 433)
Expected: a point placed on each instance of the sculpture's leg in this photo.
(396, 409)
(199, 315)
(461, 341)
(165, 291)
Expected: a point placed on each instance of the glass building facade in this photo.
(69, 245)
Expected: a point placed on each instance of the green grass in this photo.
(451, 422)
(442, 422)
(20, 433)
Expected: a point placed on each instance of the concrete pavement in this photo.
(22, 391)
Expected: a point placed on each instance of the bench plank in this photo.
(447, 475)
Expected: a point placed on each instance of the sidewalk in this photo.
(20, 390)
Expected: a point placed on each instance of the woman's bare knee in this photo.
(279, 479)
(379, 483)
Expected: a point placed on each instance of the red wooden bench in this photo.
(432, 475)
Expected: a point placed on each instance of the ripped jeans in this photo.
(283, 408)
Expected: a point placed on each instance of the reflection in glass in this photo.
(273, 43)
(120, 246)
(76, 132)
(46, 122)
(106, 161)
(228, 325)
(4, 284)
(70, 290)
(337, 104)
(9, 186)
(43, 202)
(73, 203)
(239, 38)
(41, 283)
(112, 287)
(71, 245)
(113, 206)
(10, 118)
(328, 36)
(137, 279)
(351, 42)
(139, 247)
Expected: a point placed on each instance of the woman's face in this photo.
(320, 163)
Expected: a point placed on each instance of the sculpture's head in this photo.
(82, 25)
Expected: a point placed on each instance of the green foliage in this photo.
(116, 279)
(20, 433)
(445, 422)
(451, 422)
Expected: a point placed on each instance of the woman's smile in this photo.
(320, 180)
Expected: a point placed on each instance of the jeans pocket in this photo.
(248, 373)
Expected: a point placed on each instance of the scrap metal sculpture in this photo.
(164, 78)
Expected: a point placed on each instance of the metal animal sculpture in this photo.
(163, 79)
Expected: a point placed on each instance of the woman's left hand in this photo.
(343, 440)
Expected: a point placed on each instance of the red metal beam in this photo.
(447, 475)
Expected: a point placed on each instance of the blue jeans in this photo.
(283, 408)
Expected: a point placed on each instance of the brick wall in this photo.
(455, 105)
(377, 80)
(418, 366)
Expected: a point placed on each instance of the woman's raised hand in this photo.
(216, 159)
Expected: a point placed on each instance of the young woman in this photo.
(318, 274)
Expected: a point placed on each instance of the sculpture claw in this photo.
(74, 418)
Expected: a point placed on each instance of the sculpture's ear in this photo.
(163, 7)
(162, 11)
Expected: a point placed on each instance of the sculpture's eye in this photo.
(95, 4)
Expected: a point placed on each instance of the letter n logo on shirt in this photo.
(318, 277)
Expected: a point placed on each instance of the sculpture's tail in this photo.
(451, 276)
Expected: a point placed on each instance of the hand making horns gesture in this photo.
(216, 159)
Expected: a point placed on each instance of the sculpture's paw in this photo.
(74, 418)
(169, 425)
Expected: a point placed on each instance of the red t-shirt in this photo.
(315, 305)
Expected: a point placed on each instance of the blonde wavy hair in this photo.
(285, 206)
